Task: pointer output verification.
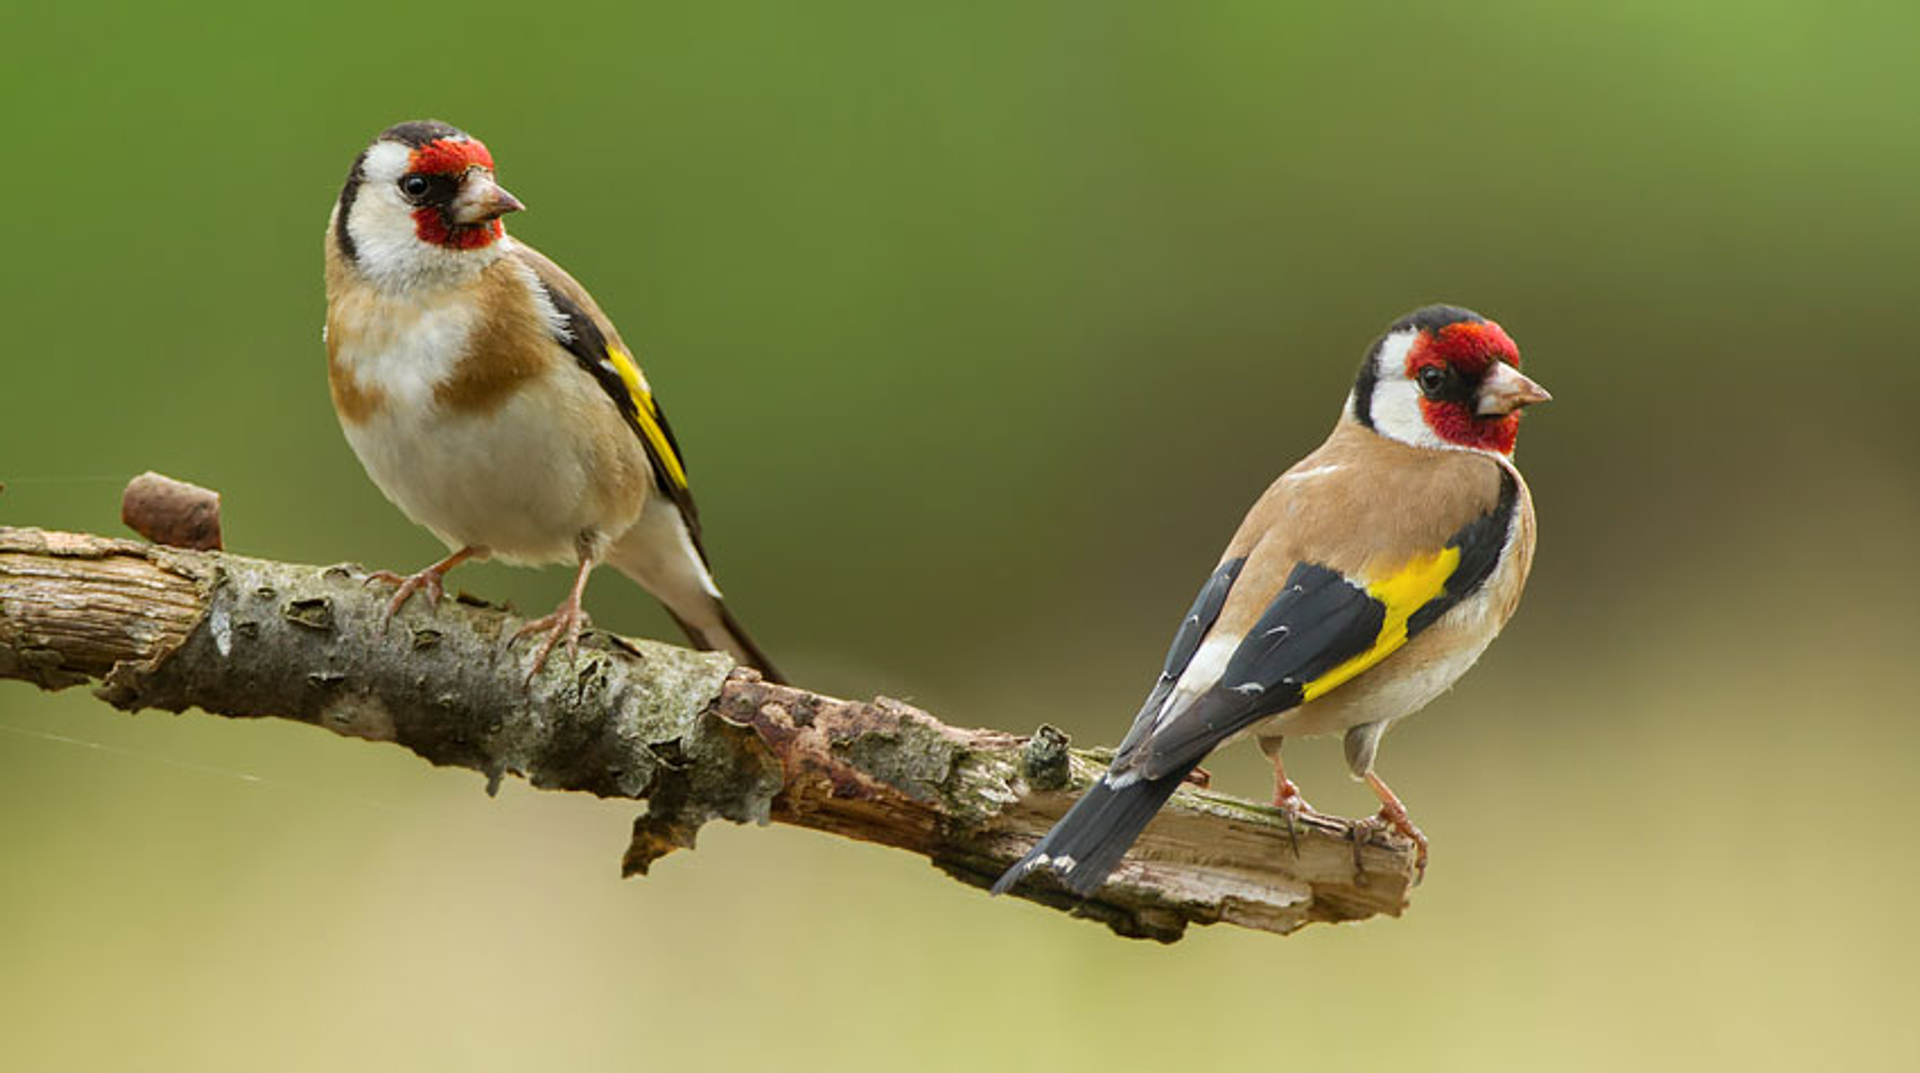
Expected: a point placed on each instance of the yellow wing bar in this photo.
(1401, 592)
(648, 415)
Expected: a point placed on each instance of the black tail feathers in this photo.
(756, 658)
(732, 639)
(1086, 845)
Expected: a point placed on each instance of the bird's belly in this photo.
(521, 480)
(1412, 679)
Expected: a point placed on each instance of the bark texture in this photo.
(685, 732)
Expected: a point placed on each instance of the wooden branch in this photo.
(686, 732)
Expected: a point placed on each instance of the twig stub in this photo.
(171, 512)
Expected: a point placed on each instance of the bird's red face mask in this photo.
(458, 202)
(1471, 388)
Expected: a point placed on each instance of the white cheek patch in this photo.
(1395, 405)
(381, 223)
(1396, 413)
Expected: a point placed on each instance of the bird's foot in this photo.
(427, 582)
(1200, 777)
(566, 622)
(1393, 818)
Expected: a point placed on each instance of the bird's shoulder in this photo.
(1362, 506)
(1361, 500)
(563, 290)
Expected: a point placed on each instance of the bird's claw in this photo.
(1395, 820)
(566, 622)
(427, 582)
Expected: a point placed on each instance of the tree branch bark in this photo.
(686, 732)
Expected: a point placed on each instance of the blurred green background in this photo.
(981, 325)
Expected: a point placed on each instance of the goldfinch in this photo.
(493, 402)
(1361, 585)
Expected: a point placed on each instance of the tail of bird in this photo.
(719, 631)
(660, 553)
(1086, 845)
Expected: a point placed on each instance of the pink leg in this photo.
(1394, 814)
(565, 622)
(1286, 796)
(427, 582)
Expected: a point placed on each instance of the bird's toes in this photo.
(565, 624)
(426, 582)
(1397, 822)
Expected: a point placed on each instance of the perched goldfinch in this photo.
(492, 401)
(1365, 581)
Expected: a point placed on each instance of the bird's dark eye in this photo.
(415, 186)
(1433, 380)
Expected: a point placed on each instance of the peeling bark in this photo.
(686, 732)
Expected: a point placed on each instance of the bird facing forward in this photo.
(1361, 585)
(492, 401)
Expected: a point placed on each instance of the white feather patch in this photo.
(1317, 471)
(542, 301)
(386, 162)
(1203, 672)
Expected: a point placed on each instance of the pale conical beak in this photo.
(481, 199)
(1506, 390)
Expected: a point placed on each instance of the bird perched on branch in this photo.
(1365, 581)
(493, 402)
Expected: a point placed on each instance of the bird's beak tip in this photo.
(1510, 391)
(484, 200)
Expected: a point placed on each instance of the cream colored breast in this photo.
(476, 424)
